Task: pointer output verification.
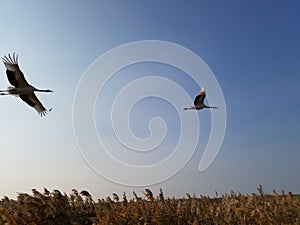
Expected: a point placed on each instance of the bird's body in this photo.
(21, 87)
(199, 102)
(23, 90)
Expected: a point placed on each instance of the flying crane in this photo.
(21, 88)
(199, 101)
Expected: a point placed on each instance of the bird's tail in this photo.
(213, 107)
(12, 90)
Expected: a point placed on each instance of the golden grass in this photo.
(79, 208)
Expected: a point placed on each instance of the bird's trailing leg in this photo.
(4, 92)
(9, 91)
(193, 107)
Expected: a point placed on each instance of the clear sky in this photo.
(252, 47)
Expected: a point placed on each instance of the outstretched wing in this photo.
(13, 72)
(33, 101)
(200, 97)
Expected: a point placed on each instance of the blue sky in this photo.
(252, 48)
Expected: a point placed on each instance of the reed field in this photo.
(78, 208)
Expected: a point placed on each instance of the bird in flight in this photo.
(199, 101)
(21, 87)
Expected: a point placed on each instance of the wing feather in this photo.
(199, 99)
(34, 102)
(13, 72)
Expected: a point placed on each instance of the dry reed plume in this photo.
(79, 208)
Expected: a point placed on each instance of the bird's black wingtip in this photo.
(44, 113)
(10, 59)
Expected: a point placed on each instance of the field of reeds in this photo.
(79, 208)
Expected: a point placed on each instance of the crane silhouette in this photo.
(21, 87)
(199, 101)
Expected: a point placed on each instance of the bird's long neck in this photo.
(211, 107)
(41, 90)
